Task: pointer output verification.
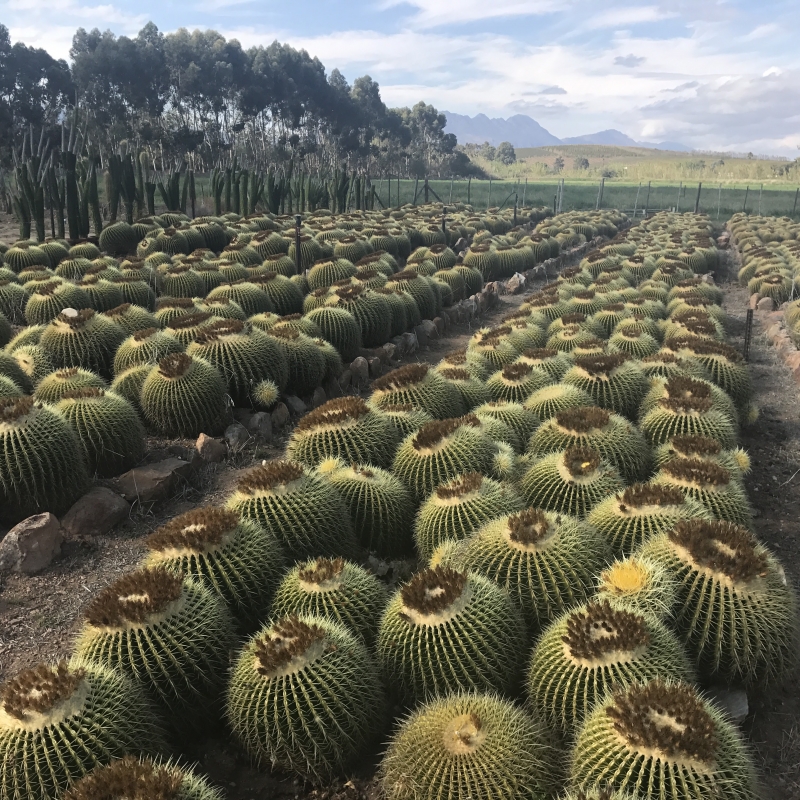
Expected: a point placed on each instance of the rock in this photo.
(332, 388)
(154, 482)
(708, 277)
(242, 415)
(98, 511)
(345, 379)
(430, 328)
(445, 320)
(375, 367)
(421, 332)
(515, 284)
(774, 331)
(236, 437)
(296, 405)
(410, 343)
(470, 308)
(260, 426)
(765, 304)
(210, 449)
(359, 369)
(439, 325)
(388, 353)
(31, 545)
(319, 397)
(753, 302)
(732, 701)
(400, 345)
(280, 416)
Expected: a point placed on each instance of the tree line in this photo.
(199, 97)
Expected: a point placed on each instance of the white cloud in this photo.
(625, 16)
(434, 13)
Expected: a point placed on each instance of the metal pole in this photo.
(760, 192)
(526, 189)
(489, 199)
(748, 333)
(297, 260)
(744, 207)
(646, 202)
(469, 191)
(719, 200)
(636, 204)
(697, 201)
(599, 190)
(602, 190)
(426, 190)
(451, 191)
(515, 210)
(678, 204)
(794, 208)
(444, 222)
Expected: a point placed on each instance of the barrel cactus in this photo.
(58, 722)
(421, 386)
(305, 696)
(237, 558)
(447, 631)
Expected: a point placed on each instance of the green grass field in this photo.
(774, 200)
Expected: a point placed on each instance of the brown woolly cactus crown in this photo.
(433, 590)
(528, 527)
(539, 353)
(134, 598)
(600, 631)
(76, 319)
(722, 547)
(661, 357)
(39, 689)
(641, 495)
(335, 412)
(711, 348)
(402, 377)
(129, 779)
(431, 433)
(83, 393)
(14, 408)
(48, 288)
(145, 333)
(455, 357)
(688, 446)
(573, 319)
(290, 334)
(455, 374)
(287, 640)
(270, 475)
(190, 320)
(669, 719)
(174, 302)
(118, 311)
(460, 486)
(581, 461)
(491, 336)
(516, 372)
(348, 293)
(583, 419)
(216, 330)
(322, 571)
(200, 529)
(602, 364)
(405, 275)
(684, 395)
(695, 471)
(175, 365)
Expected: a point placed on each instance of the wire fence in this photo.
(718, 201)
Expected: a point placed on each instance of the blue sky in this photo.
(714, 74)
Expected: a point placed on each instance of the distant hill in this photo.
(520, 130)
(524, 131)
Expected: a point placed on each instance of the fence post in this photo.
(426, 190)
(748, 333)
(525, 189)
(744, 207)
(646, 202)
(516, 197)
(599, 191)
(451, 191)
(678, 204)
(697, 201)
(489, 199)
(636, 203)
(760, 192)
(795, 200)
(719, 201)
(469, 191)
(602, 189)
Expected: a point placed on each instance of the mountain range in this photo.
(524, 131)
